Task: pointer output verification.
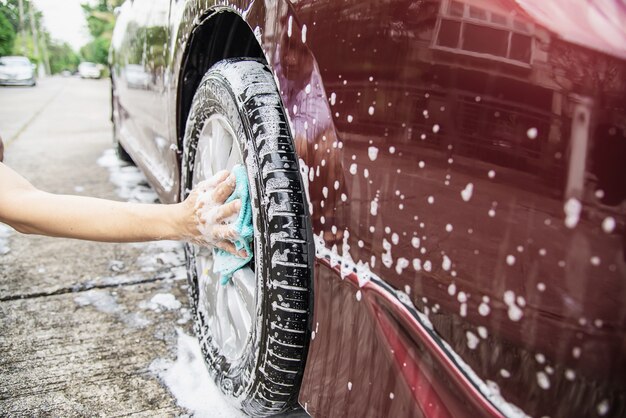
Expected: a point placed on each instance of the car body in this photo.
(136, 77)
(465, 169)
(17, 71)
(89, 70)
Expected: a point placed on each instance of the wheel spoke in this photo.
(244, 282)
(238, 316)
(233, 159)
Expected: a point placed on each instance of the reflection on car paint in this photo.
(470, 156)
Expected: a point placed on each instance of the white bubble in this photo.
(608, 224)
(350, 118)
(466, 193)
(543, 380)
(595, 260)
(491, 212)
(349, 385)
(483, 309)
(307, 89)
(358, 295)
(449, 227)
(435, 128)
(603, 407)
(572, 209)
(446, 264)
(392, 150)
(462, 297)
(421, 164)
(541, 286)
(333, 98)
(336, 185)
(472, 340)
(542, 252)
(415, 242)
(540, 358)
(303, 34)
(391, 395)
(289, 26)
(531, 133)
(370, 110)
(353, 168)
(452, 289)
(417, 264)
(366, 173)
(428, 265)
(482, 331)
(505, 373)
(372, 152)
(344, 197)
(576, 352)
(510, 259)
(395, 238)
(570, 374)
(374, 207)
(491, 174)
(431, 200)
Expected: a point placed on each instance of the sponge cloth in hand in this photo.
(226, 263)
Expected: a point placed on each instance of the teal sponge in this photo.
(226, 264)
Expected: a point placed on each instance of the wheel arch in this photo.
(220, 34)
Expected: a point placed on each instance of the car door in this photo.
(140, 63)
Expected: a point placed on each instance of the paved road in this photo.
(85, 328)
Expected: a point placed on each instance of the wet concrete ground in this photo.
(83, 330)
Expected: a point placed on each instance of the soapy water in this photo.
(188, 379)
(5, 233)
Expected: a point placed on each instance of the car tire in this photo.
(264, 377)
(122, 154)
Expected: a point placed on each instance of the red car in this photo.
(438, 192)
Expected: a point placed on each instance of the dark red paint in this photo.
(523, 99)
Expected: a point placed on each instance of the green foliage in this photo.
(7, 35)
(100, 21)
(96, 50)
(62, 57)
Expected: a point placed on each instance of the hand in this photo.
(206, 216)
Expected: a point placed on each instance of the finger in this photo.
(224, 189)
(222, 232)
(218, 177)
(227, 210)
(227, 246)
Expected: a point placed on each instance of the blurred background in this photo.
(58, 35)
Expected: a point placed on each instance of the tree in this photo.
(62, 57)
(100, 21)
(7, 35)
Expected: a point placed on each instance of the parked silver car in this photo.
(17, 70)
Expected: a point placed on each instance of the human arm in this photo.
(33, 211)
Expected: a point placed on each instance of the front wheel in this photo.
(254, 331)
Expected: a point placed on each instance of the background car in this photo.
(438, 193)
(17, 70)
(89, 70)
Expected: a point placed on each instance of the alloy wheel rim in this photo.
(228, 309)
